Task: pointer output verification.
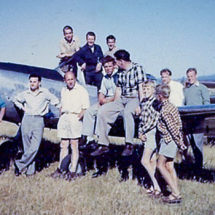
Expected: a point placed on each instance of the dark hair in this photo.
(191, 69)
(164, 90)
(110, 37)
(166, 71)
(90, 33)
(66, 28)
(33, 75)
(108, 59)
(122, 55)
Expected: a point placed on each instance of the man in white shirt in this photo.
(176, 94)
(74, 102)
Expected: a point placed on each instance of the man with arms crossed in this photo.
(196, 94)
(74, 102)
(129, 90)
(35, 104)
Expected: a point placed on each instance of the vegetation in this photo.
(41, 194)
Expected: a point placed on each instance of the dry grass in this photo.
(41, 194)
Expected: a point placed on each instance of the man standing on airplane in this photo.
(35, 104)
(196, 94)
(111, 43)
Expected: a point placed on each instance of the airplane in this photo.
(14, 79)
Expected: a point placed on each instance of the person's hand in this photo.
(83, 66)
(137, 111)
(61, 55)
(23, 108)
(142, 137)
(98, 67)
(183, 147)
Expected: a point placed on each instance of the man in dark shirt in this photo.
(89, 58)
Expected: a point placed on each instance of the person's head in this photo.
(122, 57)
(68, 32)
(70, 79)
(165, 76)
(148, 88)
(35, 81)
(108, 63)
(162, 92)
(191, 75)
(111, 41)
(90, 37)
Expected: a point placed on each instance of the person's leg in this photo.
(171, 169)
(162, 161)
(198, 149)
(63, 149)
(97, 79)
(149, 162)
(75, 154)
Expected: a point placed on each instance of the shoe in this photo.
(172, 199)
(97, 174)
(128, 150)
(56, 173)
(82, 141)
(100, 150)
(16, 170)
(70, 176)
(91, 145)
(156, 194)
(149, 191)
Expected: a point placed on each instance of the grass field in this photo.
(41, 194)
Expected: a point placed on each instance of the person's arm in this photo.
(205, 96)
(19, 101)
(2, 113)
(53, 99)
(141, 95)
(85, 103)
(104, 100)
(99, 58)
(117, 93)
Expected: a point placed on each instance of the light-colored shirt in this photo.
(108, 85)
(36, 103)
(69, 48)
(177, 93)
(74, 100)
(196, 94)
(111, 53)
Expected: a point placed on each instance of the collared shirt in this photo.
(69, 48)
(74, 100)
(169, 123)
(111, 53)
(196, 94)
(108, 85)
(149, 114)
(36, 103)
(85, 55)
(177, 93)
(129, 80)
(2, 103)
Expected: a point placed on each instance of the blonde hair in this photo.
(164, 90)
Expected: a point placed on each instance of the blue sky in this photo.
(157, 33)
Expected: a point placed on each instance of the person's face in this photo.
(166, 78)
(90, 40)
(68, 34)
(34, 83)
(148, 91)
(111, 44)
(70, 80)
(191, 77)
(120, 64)
(109, 67)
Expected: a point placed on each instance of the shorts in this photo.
(168, 150)
(151, 139)
(69, 126)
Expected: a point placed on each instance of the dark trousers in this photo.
(93, 78)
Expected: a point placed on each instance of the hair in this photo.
(67, 73)
(166, 71)
(150, 83)
(164, 90)
(122, 55)
(90, 33)
(191, 69)
(33, 75)
(67, 27)
(108, 59)
(110, 37)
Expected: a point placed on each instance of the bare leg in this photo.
(75, 154)
(150, 164)
(168, 176)
(171, 169)
(63, 149)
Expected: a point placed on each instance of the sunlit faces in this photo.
(70, 80)
(34, 83)
(109, 67)
(148, 90)
(68, 34)
(90, 40)
(111, 44)
(166, 78)
(191, 77)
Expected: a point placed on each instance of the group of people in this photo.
(125, 90)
